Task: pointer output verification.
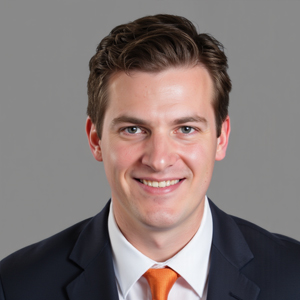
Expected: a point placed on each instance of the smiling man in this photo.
(158, 145)
(158, 120)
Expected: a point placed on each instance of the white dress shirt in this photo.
(192, 263)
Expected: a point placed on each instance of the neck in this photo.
(160, 244)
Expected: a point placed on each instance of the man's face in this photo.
(159, 145)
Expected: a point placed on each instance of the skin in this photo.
(158, 127)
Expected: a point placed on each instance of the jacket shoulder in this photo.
(269, 261)
(255, 234)
(45, 261)
(276, 261)
(59, 242)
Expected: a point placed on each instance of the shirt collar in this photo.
(192, 262)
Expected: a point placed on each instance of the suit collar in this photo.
(92, 252)
(229, 254)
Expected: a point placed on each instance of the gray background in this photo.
(49, 179)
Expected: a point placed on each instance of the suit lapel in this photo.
(229, 254)
(92, 252)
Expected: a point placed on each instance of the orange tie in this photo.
(161, 281)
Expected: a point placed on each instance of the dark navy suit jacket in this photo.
(247, 263)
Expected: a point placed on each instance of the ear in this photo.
(93, 139)
(223, 139)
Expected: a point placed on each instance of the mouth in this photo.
(159, 184)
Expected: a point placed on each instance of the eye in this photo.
(186, 129)
(132, 130)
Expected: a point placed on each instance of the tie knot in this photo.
(161, 282)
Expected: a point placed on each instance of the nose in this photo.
(160, 152)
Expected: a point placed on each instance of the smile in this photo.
(159, 184)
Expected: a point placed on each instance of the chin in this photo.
(161, 220)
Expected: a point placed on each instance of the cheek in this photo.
(200, 159)
(120, 157)
(196, 154)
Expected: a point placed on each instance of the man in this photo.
(158, 119)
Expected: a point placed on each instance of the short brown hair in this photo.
(153, 44)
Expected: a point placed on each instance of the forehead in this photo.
(171, 91)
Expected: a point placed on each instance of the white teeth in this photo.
(159, 184)
(162, 184)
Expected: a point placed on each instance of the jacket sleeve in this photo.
(1, 291)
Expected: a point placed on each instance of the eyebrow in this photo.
(195, 119)
(134, 120)
(127, 119)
